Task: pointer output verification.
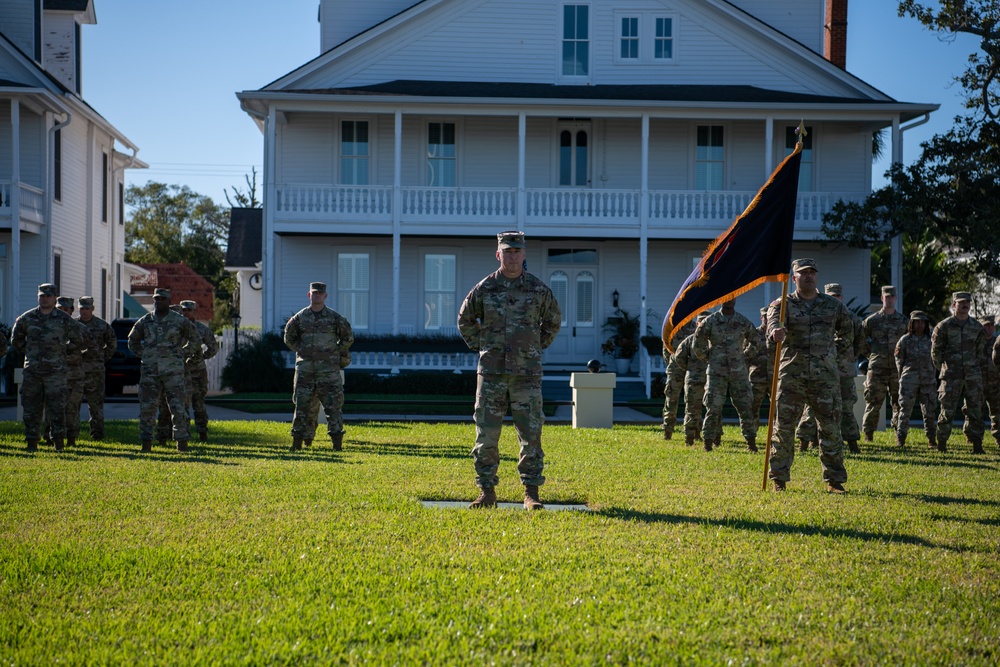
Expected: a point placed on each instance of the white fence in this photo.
(218, 362)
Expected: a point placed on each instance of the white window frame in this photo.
(425, 163)
(694, 155)
(807, 184)
(444, 325)
(340, 147)
(632, 38)
(561, 41)
(647, 37)
(356, 323)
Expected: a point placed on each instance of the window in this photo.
(629, 38)
(57, 165)
(104, 187)
(439, 291)
(354, 152)
(709, 155)
(663, 39)
(806, 165)
(576, 40)
(559, 284)
(118, 288)
(441, 154)
(104, 293)
(573, 157)
(121, 203)
(584, 299)
(57, 269)
(352, 288)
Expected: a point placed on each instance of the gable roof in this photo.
(246, 227)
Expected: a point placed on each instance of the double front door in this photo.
(578, 339)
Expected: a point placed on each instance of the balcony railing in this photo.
(32, 201)
(569, 206)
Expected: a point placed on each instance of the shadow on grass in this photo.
(774, 528)
(943, 500)
(447, 451)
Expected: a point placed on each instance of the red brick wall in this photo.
(835, 40)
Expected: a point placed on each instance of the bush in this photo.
(409, 343)
(256, 365)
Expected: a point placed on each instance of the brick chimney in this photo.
(835, 33)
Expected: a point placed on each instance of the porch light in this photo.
(614, 298)
(236, 330)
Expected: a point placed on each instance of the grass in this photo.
(240, 552)
(395, 404)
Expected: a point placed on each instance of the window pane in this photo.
(352, 288)
(441, 154)
(354, 152)
(559, 284)
(585, 299)
(439, 291)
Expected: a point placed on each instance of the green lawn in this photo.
(395, 404)
(241, 552)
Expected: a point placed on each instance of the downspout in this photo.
(896, 244)
(112, 224)
(50, 186)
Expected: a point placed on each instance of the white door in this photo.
(574, 153)
(575, 289)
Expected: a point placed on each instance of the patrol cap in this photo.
(833, 288)
(161, 293)
(87, 302)
(988, 319)
(187, 304)
(317, 287)
(48, 289)
(176, 307)
(888, 290)
(65, 302)
(763, 311)
(512, 239)
(919, 315)
(961, 296)
(804, 263)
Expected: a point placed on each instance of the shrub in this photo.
(256, 365)
(365, 342)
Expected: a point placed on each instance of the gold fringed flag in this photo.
(757, 248)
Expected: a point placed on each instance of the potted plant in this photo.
(623, 343)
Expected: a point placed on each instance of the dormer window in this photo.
(644, 38)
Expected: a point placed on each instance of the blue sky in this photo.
(166, 74)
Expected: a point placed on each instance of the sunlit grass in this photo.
(241, 551)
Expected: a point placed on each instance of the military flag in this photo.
(757, 248)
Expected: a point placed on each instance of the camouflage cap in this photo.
(65, 302)
(988, 319)
(833, 288)
(161, 293)
(176, 307)
(187, 304)
(87, 302)
(513, 239)
(317, 287)
(919, 315)
(961, 296)
(888, 290)
(48, 289)
(804, 263)
(763, 311)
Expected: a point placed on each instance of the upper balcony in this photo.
(32, 206)
(305, 208)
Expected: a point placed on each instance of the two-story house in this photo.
(621, 136)
(62, 164)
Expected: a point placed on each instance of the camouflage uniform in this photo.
(95, 359)
(509, 322)
(673, 384)
(162, 343)
(42, 339)
(818, 332)
(917, 382)
(319, 340)
(881, 331)
(991, 385)
(761, 369)
(75, 375)
(725, 342)
(694, 388)
(198, 372)
(956, 350)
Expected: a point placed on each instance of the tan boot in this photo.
(58, 443)
(147, 446)
(531, 501)
(307, 442)
(751, 444)
(296, 443)
(667, 434)
(689, 440)
(835, 487)
(487, 498)
(779, 485)
(32, 445)
(338, 441)
(182, 445)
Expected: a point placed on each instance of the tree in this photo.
(246, 199)
(951, 193)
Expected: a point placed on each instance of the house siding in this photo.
(802, 20)
(59, 48)
(19, 24)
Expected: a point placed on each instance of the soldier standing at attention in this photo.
(320, 338)
(206, 349)
(41, 335)
(673, 383)
(991, 380)
(815, 325)
(880, 332)
(694, 386)
(74, 372)
(761, 367)
(917, 378)
(725, 340)
(161, 339)
(956, 350)
(509, 318)
(95, 359)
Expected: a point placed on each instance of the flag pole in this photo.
(773, 403)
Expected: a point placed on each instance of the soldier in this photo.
(991, 380)
(673, 383)
(321, 339)
(956, 350)
(159, 339)
(917, 378)
(509, 318)
(725, 340)
(881, 330)
(848, 364)
(41, 335)
(95, 359)
(197, 370)
(814, 337)
(694, 386)
(761, 367)
(164, 423)
(74, 373)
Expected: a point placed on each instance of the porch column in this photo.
(768, 168)
(269, 300)
(644, 241)
(896, 244)
(522, 202)
(15, 210)
(397, 206)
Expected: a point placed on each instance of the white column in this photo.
(896, 244)
(644, 245)
(15, 210)
(269, 300)
(768, 168)
(397, 212)
(522, 201)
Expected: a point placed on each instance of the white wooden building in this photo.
(62, 164)
(620, 136)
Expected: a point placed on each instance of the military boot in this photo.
(709, 443)
(779, 484)
(977, 447)
(667, 434)
(338, 441)
(487, 498)
(202, 436)
(869, 436)
(182, 445)
(70, 441)
(296, 443)
(307, 442)
(751, 444)
(852, 445)
(32, 445)
(531, 501)
(147, 446)
(803, 445)
(689, 440)
(163, 442)
(942, 444)
(900, 440)
(58, 443)
(835, 487)
(932, 439)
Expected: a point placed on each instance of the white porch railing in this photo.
(351, 201)
(581, 203)
(439, 203)
(5, 195)
(415, 361)
(32, 200)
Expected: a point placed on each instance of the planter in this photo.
(622, 366)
